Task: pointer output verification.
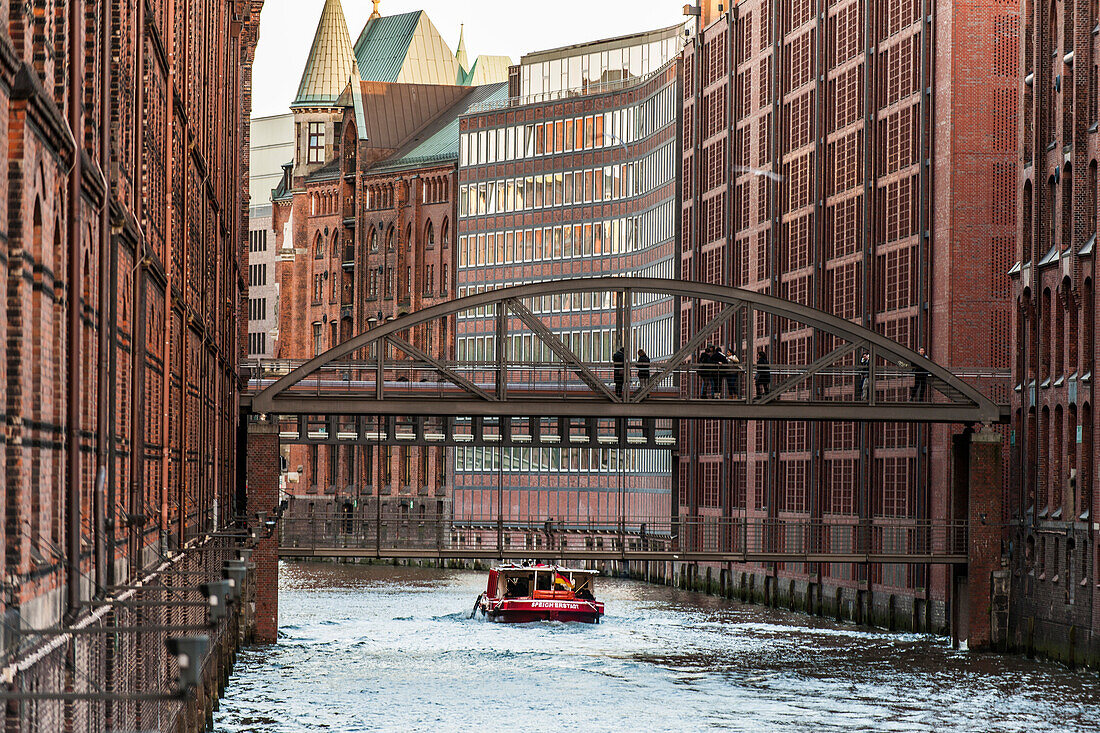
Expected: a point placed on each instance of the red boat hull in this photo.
(524, 610)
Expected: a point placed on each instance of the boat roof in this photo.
(541, 566)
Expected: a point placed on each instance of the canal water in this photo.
(366, 648)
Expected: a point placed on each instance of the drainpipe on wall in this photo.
(104, 425)
(73, 304)
(168, 319)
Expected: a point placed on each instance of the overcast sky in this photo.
(494, 27)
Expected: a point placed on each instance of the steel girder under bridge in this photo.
(534, 361)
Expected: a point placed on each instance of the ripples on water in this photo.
(367, 648)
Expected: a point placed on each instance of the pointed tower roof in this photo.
(331, 60)
(460, 54)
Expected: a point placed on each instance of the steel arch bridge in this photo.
(533, 372)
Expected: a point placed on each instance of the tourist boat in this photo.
(521, 593)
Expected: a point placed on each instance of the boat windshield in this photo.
(518, 585)
(582, 586)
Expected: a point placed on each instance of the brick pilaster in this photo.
(986, 532)
(262, 482)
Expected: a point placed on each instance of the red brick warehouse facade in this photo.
(122, 233)
(892, 208)
(365, 221)
(372, 238)
(1052, 495)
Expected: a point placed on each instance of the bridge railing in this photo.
(829, 539)
(886, 383)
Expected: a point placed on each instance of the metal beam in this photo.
(443, 369)
(686, 409)
(969, 405)
(831, 358)
(688, 349)
(558, 347)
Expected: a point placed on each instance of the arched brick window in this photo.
(1027, 255)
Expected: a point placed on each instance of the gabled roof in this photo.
(488, 70)
(438, 142)
(330, 64)
(388, 115)
(383, 45)
(408, 48)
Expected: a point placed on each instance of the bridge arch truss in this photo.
(531, 368)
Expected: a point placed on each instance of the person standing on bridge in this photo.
(763, 373)
(731, 369)
(719, 364)
(708, 372)
(920, 380)
(704, 368)
(863, 370)
(618, 359)
(643, 367)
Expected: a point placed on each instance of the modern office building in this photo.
(271, 146)
(858, 158)
(560, 184)
(587, 68)
(1052, 496)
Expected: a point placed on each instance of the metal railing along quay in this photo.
(700, 539)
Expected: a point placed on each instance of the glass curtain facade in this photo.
(580, 189)
(549, 74)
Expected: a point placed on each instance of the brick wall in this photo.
(856, 226)
(386, 239)
(1052, 495)
(262, 481)
(146, 257)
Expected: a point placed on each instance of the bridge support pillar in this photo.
(978, 459)
(262, 482)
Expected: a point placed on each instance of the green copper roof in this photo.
(331, 61)
(383, 45)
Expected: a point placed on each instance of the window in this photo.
(318, 337)
(316, 142)
(257, 275)
(257, 343)
(257, 309)
(257, 240)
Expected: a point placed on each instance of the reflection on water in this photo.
(377, 647)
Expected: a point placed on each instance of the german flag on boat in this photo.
(561, 581)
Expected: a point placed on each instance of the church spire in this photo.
(375, 13)
(331, 60)
(460, 55)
